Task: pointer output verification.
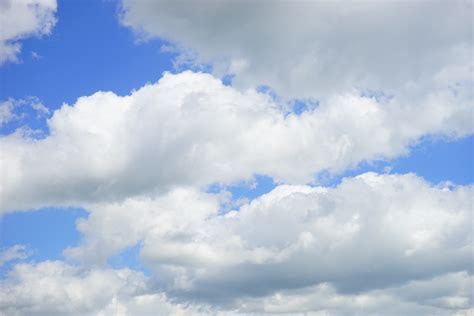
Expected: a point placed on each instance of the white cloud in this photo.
(189, 129)
(323, 299)
(16, 252)
(56, 288)
(385, 76)
(315, 48)
(12, 110)
(370, 233)
(20, 19)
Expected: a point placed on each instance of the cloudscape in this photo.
(236, 157)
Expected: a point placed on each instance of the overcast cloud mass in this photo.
(290, 91)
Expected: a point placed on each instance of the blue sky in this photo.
(90, 49)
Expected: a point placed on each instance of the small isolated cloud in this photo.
(20, 19)
(16, 252)
(35, 56)
(14, 110)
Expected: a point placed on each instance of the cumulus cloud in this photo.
(21, 19)
(191, 130)
(378, 79)
(56, 288)
(444, 295)
(370, 242)
(314, 48)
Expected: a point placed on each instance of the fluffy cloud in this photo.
(315, 48)
(374, 240)
(21, 19)
(56, 288)
(444, 295)
(368, 246)
(191, 130)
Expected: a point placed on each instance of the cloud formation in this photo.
(56, 288)
(372, 81)
(191, 130)
(315, 48)
(367, 246)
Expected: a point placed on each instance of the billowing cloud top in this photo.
(190, 129)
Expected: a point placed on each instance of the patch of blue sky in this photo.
(260, 184)
(440, 160)
(45, 232)
(300, 106)
(379, 96)
(227, 80)
(23, 114)
(129, 259)
(435, 160)
(87, 51)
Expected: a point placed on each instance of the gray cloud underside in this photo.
(315, 48)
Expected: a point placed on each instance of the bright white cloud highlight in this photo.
(20, 19)
(189, 129)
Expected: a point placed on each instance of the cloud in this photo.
(191, 130)
(371, 241)
(22, 19)
(56, 288)
(445, 295)
(16, 252)
(314, 48)
(372, 81)
(14, 110)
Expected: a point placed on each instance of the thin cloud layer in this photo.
(189, 129)
(20, 19)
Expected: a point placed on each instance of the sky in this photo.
(236, 158)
